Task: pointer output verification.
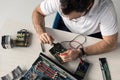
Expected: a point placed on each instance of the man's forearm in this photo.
(38, 21)
(97, 48)
(102, 46)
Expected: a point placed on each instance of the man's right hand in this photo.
(45, 38)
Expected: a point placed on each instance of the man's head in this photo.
(70, 8)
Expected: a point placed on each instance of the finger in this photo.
(44, 38)
(48, 38)
(67, 59)
(68, 51)
(63, 54)
(52, 39)
(41, 40)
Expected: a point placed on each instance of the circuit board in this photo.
(45, 69)
(23, 38)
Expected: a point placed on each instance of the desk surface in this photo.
(24, 57)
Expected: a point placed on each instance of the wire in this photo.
(80, 45)
(85, 38)
(75, 41)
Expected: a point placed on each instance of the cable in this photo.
(80, 45)
(85, 38)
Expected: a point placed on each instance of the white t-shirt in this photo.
(101, 18)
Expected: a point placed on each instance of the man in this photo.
(84, 17)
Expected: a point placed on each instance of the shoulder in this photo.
(106, 9)
(49, 6)
(106, 5)
(100, 7)
(51, 2)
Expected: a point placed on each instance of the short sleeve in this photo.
(108, 23)
(49, 6)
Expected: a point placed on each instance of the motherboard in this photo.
(45, 69)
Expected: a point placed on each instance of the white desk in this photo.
(24, 57)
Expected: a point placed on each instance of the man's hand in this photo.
(45, 38)
(70, 55)
(39, 23)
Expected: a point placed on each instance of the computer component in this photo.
(7, 42)
(23, 38)
(13, 75)
(82, 70)
(46, 69)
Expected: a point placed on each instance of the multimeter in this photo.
(56, 50)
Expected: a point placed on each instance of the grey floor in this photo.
(21, 10)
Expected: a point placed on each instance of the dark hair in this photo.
(68, 6)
